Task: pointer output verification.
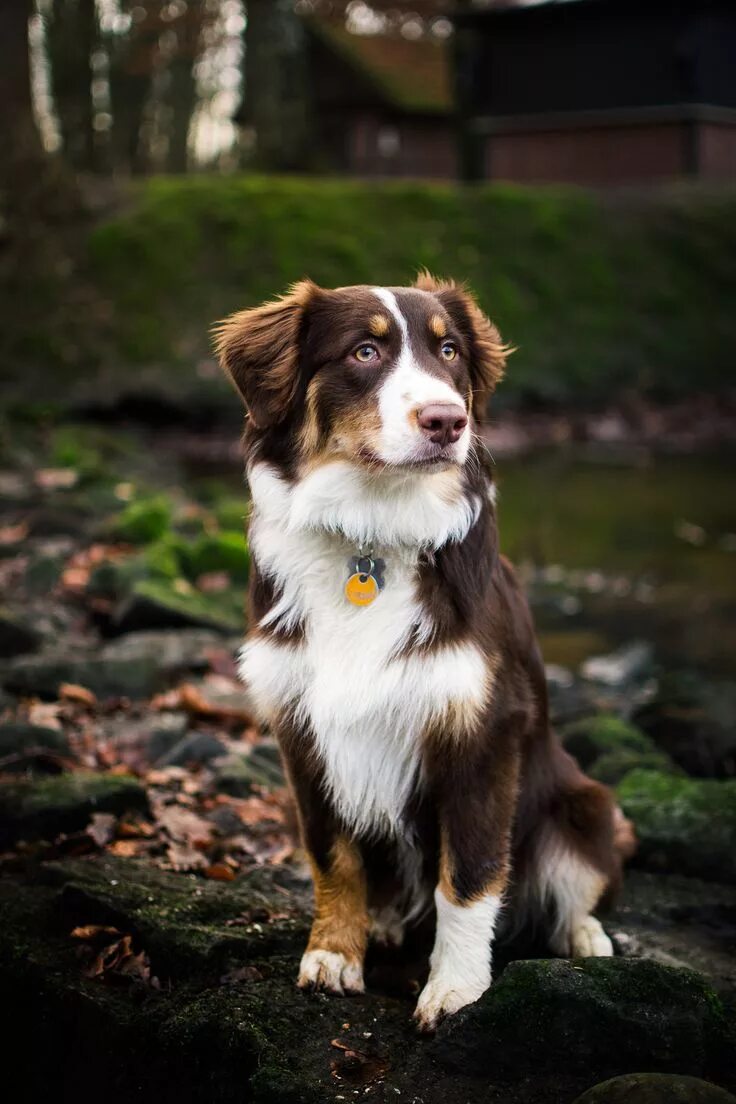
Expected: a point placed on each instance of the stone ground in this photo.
(154, 902)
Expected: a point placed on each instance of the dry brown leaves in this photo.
(116, 962)
(358, 1067)
(80, 566)
(193, 700)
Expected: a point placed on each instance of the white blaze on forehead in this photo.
(409, 388)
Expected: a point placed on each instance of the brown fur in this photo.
(499, 792)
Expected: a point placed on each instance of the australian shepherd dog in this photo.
(390, 648)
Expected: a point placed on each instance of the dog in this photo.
(390, 647)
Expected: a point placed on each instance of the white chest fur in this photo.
(366, 703)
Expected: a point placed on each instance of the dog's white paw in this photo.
(588, 940)
(440, 998)
(331, 972)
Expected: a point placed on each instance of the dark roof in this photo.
(412, 75)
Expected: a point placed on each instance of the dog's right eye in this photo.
(365, 353)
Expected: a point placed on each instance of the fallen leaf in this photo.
(192, 699)
(242, 973)
(13, 534)
(102, 828)
(220, 872)
(213, 582)
(183, 857)
(89, 932)
(56, 479)
(45, 714)
(128, 848)
(118, 962)
(70, 691)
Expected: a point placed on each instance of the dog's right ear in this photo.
(259, 350)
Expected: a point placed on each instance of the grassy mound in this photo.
(599, 294)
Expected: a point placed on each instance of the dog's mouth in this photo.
(429, 459)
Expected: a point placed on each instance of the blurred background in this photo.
(165, 162)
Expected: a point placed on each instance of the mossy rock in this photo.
(683, 824)
(16, 635)
(612, 766)
(694, 721)
(144, 520)
(656, 1088)
(601, 1016)
(157, 604)
(591, 737)
(134, 677)
(218, 552)
(192, 928)
(20, 736)
(44, 808)
(238, 774)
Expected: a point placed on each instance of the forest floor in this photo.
(153, 898)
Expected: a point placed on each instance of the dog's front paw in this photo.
(331, 972)
(440, 998)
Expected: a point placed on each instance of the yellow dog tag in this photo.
(361, 589)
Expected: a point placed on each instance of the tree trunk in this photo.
(72, 36)
(276, 99)
(21, 141)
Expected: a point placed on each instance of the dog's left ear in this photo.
(487, 351)
(259, 350)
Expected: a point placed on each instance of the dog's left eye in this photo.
(365, 353)
(449, 350)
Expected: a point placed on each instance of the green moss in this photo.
(64, 803)
(218, 552)
(606, 1015)
(614, 765)
(145, 520)
(591, 737)
(172, 607)
(682, 824)
(650, 276)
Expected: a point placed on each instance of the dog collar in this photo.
(365, 578)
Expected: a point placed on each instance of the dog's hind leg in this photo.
(574, 866)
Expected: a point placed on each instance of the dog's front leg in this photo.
(333, 960)
(476, 792)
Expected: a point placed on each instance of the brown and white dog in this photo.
(390, 648)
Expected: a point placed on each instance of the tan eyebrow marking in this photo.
(437, 325)
(378, 325)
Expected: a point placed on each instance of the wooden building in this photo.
(380, 105)
(598, 91)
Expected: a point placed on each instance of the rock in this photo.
(656, 1088)
(138, 677)
(43, 573)
(615, 765)
(683, 824)
(156, 604)
(17, 637)
(569, 697)
(219, 552)
(43, 809)
(694, 721)
(173, 650)
(17, 736)
(590, 737)
(678, 921)
(167, 730)
(238, 774)
(145, 520)
(597, 1015)
(619, 668)
(195, 747)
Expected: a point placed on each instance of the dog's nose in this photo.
(443, 423)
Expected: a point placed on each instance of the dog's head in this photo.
(393, 378)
